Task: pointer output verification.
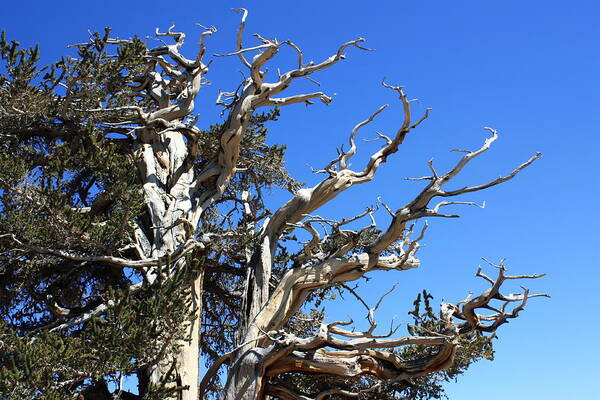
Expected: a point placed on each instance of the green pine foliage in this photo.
(67, 183)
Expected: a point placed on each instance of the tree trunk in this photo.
(167, 181)
(244, 381)
(188, 357)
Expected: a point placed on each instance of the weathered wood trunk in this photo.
(167, 182)
(245, 375)
(187, 360)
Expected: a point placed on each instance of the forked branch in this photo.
(336, 351)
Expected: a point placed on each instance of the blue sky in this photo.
(529, 69)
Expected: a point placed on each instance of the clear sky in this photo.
(530, 69)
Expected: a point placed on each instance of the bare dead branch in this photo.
(240, 34)
(117, 261)
(346, 156)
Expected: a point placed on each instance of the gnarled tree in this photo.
(133, 242)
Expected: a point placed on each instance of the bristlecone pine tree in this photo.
(135, 246)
